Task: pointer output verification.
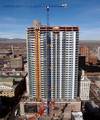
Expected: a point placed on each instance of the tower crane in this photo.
(47, 8)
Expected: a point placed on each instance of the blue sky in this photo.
(82, 13)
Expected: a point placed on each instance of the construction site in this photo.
(30, 110)
(50, 59)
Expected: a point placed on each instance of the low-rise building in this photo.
(7, 90)
(12, 86)
(6, 80)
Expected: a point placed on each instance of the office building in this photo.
(93, 59)
(98, 53)
(84, 87)
(85, 51)
(59, 55)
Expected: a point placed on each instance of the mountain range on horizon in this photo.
(23, 40)
(12, 40)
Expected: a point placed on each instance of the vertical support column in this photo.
(60, 66)
(49, 66)
(56, 68)
(74, 64)
(37, 64)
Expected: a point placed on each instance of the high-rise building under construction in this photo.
(63, 61)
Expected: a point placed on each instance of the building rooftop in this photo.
(56, 28)
(84, 77)
(5, 87)
(77, 115)
(9, 79)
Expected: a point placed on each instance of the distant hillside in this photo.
(90, 41)
(14, 40)
(17, 40)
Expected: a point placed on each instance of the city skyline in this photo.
(14, 21)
